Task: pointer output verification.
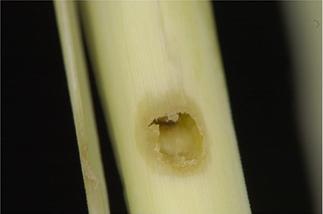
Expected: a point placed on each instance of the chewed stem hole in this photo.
(180, 142)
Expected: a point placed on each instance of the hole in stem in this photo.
(179, 142)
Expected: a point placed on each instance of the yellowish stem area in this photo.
(161, 82)
(81, 100)
(180, 142)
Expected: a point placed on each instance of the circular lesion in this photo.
(178, 141)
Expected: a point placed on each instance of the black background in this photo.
(41, 171)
